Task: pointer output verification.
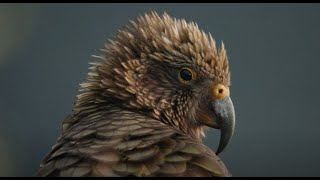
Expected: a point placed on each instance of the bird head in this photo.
(167, 69)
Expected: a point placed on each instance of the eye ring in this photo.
(186, 75)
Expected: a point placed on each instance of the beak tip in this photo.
(222, 144)
(218, 151)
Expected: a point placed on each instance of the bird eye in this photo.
(186, 74)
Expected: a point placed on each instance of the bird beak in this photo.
(219, 114)
(225, 119)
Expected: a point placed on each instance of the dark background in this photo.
(274, 55)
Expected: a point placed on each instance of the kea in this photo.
(146, 103)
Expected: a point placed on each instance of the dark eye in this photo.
(186, 74)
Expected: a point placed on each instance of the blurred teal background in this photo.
(274, 55)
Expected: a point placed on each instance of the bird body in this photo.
(144, 107)
(126, 143)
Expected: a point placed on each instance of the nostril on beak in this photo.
(220, 91)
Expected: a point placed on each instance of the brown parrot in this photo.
(145, 106)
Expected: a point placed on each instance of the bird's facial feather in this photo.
(141, 69)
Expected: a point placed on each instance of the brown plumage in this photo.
(138, 113)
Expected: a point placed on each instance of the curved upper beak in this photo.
(217, 111)
(224, 120)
